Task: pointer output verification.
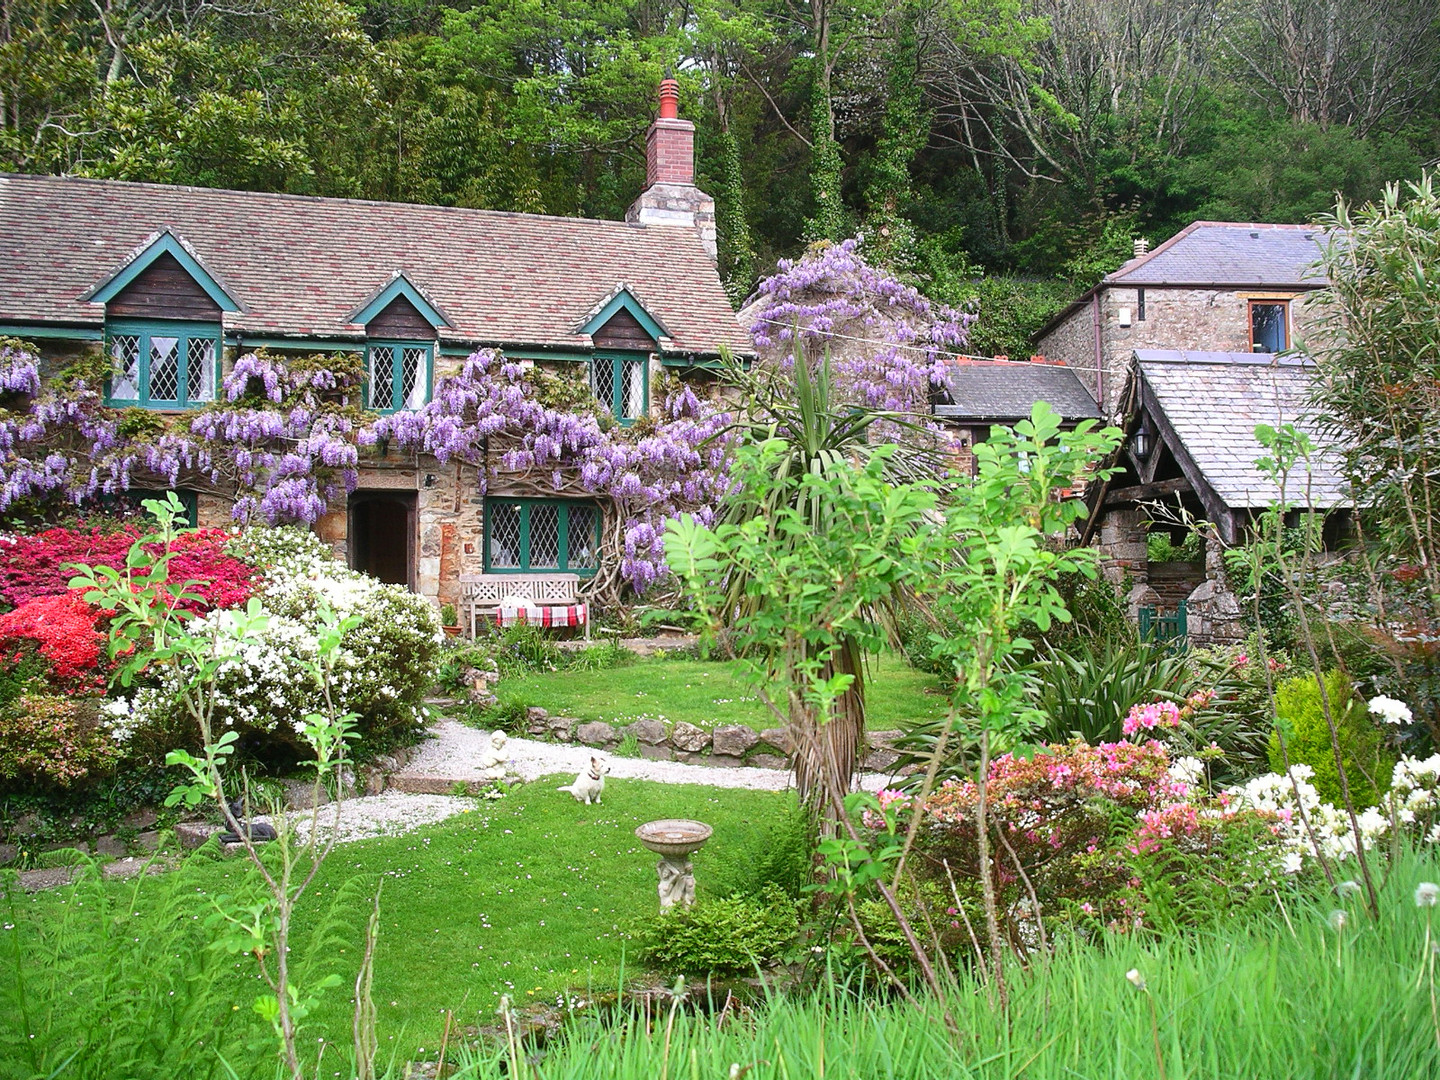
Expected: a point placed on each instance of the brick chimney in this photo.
(670, 196)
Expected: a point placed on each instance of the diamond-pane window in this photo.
(399, 376)
(162, 364)
(620, 384)
(164, 369)
(125, 380)
(502, 523)
(580, 536)
(542, 534)
(200, 369)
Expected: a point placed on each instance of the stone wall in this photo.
(725, 745)
(1073, 341)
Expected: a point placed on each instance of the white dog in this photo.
(588, 785)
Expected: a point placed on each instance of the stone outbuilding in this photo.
(1217, 286)
(1188, 464)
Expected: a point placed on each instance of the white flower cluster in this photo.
(268, 682)
(1414, 790)
(1189, 771)
(1391, 711)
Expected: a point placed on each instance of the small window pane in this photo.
(604, 381)
(200, 369)
(504, 534)
(544, 536)
(580, 539)
(125, 381)
(1267, 328)
(633, 388)
(412, 377)
(164, 369)
(382, 378)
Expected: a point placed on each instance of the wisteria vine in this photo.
(284, 439)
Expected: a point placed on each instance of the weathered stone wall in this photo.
(1073, 341)
(1211, 320)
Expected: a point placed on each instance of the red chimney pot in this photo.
(669, 99)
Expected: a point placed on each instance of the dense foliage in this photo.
(979, 137)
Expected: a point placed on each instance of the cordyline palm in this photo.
(820, 437)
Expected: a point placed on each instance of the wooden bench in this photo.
(483, 594)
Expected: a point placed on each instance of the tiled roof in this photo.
(301, 266)
(1229, 253)
(1003, 390)
(1214, 401)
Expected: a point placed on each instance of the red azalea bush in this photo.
(63, 629)
(32, 566)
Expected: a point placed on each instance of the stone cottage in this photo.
(1188, 348)
(1213, 286)
(174, 283)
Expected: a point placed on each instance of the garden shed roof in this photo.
(1207, 405)
(1001, 391)
(1229, 253)
(300, 267)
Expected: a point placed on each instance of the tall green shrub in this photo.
(1307, 738)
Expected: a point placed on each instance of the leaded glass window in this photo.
(541, 534)
(622, 384)
(398, 375)
(161, 364)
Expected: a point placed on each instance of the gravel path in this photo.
(452, 755)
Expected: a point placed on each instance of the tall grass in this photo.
(1281, 997)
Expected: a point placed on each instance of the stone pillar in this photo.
(1124, 561)
(1214, 615)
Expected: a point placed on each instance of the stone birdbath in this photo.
(675, 840)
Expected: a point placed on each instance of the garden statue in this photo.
(256, 831)
(492, 761)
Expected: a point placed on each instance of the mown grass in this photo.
(526, 896)
(708, 693)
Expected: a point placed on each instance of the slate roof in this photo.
(1213, 401)
(1229, 253)
(300, 266)
(1003, 390)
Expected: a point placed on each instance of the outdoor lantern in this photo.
(1140, 441)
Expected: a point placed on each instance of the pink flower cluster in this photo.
(1149, 717)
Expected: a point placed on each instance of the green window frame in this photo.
(406, 365)
(621, 381)
(162, 363)
(531, 535)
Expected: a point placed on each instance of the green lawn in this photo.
(527, 896)
(708, 693)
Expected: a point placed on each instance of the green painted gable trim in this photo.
(399, 286)
(164, 244)
(72, 333)
(623, 299)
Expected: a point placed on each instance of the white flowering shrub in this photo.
(1411, 804)
(267, 683)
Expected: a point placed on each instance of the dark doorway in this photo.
(382, 535)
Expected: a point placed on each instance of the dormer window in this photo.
(397, 375)
(161, 364)
(401, 328)
(625, 335)
(163, 323)
(622, 384)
